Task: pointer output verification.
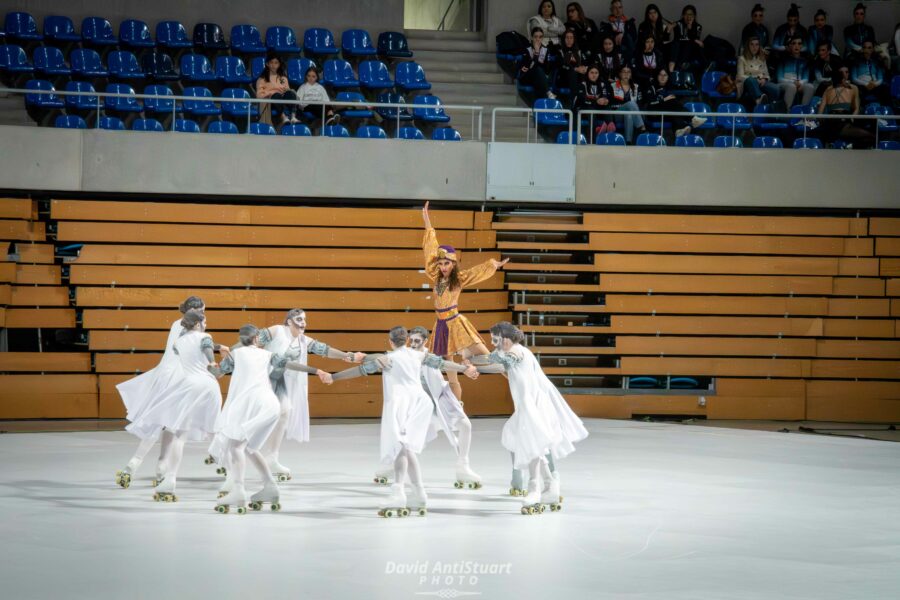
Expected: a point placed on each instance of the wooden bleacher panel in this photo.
(890, 267)
(22, 231)
(710, 224)
(718, 366)
(733, 265)
(731, 244)
(857, 286)
(45, 362)
(717, 305)
(886, 246)
(48, 396)
(38, 296)
(17, 208)
(31, 253)
(715, 346)
(858, 307)
(38, 274)
(627, 407)
(892, 288)
(883, 226)
(54, 318)
(7, 272)
(853, 328)
(715, 284)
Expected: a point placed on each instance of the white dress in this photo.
(448, 411)
(251, 410)
(407, 409)
(141, 392)
(293, 388)
(192, 403)
(542, 421)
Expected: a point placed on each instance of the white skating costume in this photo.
(292, 387)
(448, 412)
(407, 410)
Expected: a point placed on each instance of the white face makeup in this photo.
(300, 322)
(496, 340)
(416, 342)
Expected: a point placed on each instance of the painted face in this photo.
(496, 340)
(446, 266)
(416, 342)
(203, 325)
(300, 322)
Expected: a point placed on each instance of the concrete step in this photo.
(427, 34)
(498, 88)
(440, 76)
(482, 56)
(447, 45)
(452, 65)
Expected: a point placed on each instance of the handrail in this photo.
(441, 26)
(529, 111)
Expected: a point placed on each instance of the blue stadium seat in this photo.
(203, 106)
(895, 88)
(701, 109)
(371, 132)
(363, 112)
(644, 382)
(81, 103)
(231, 70)
(338, 74)
(410, 133)
(296, 130)
(96, 31)
(50, 61)
(872, 109)
(563, 138)
(683, 383)
(147, 125)
(69, 122)
(650, 139)
(683, 83)
(124, 65)
(159, 106)
(158, 66)
(727, 141)
(374, 75)
(257, 66)
(889, 145)
(840, 145)
(14, 60)
(807, 144)
(282, 40)
(357, 42)
(391, 113)
(690, 140)
(87, 63)
(610, 139)
(729, 123)
(261, 129)
(393, 44)
(410, 76)
(318, 41)
(226, 127)
(239, 109)
(245, 39)
(196, 68)
(297, 68)
(186, 126)
(428, 110)
(112, 124)
(448, 134)
(44, 101)
(709, 83)
(135, 34)
(550, 119)
(60, 29)
(209, 36)
(21, 27)
(766, 141)
(121, 104)
(763, 123)
(336, 131)
(803, 109)
(172, 34)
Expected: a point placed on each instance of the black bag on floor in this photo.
(511, 43)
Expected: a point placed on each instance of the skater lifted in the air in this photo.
(406, 415)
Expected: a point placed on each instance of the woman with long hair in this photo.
(546, 19)
(753, 75)
(586, 31)
(273, 84)
(842, 98)
(656, 27)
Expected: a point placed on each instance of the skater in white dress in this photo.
(291, 386)
(249, 418)
(541, 424)
(406, 416)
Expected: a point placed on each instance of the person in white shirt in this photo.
(312, 96)
(548, 22)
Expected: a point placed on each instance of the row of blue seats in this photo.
(124, 65)
(444, 134)
(245, 38)
(722, 141)
(427, 108)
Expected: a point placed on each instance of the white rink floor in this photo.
(651, 511)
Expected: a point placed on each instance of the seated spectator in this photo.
(623, 29)
(820, 32)
(789, 31)
(625, 97)
(756, 28)
(273, 84)
(658, 97)
(793, 75)
(687, 45)
(842, 98)
(895, 51)
(857, 34)
(610, 59)
(572, 66)
(647, 63)
(868, 74)
(535, 67)
(656, 27)
(312, 96)
(595, 93)
(587, 34)
(824, 66)
(550, 25)
(752, 79)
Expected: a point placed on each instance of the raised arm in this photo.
(430, 247)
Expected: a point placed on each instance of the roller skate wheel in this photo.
(221, 471)
(256, 506)
(404, 512)
(457, 484)
(473, 485)
(282, 477)
(208, 460)
(388, 513)
(156, 497)
(541, 508)
(527, 510)
(555, 507)
(222, 494)
(154, 482)
(241, 510)
(423, 512)
(173, 498)
(221, 509)
(275, 507)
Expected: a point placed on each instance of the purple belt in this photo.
(442, 332)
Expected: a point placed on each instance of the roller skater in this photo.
(383, 475)
(395, 504)
(268, 495)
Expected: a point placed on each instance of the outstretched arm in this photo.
(495, 362)
(481, 272)
(436, 362)
(322, 349)
(377, 364)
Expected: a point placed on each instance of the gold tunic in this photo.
(460, 333)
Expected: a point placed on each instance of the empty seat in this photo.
(14, 60)
(160, 106)
(371, 132)
(610, 139)
(690, 140)
(239, 109)
(318, 41)
(393, 113)
(889, 145)
(428, 110)
(124, 65)
(363, 112)
(650, 139)
(209, 36)
(357, 42)
(563, 138)
(410, 76)
(112, 124)
(374, 75)
(226, 127)
(393, 44)
(448, 134)
(338, 131)
(81, 103)
(87, 63)
(147, 125)
(709, 83)
(683, 383)
(196, 68)
(282, 40)
(121, 103)
(550, 119)
(764, 123)
(338, 74)
(231, 70)
(135, 34)
(246, 39)
(872, 109)
(44, 101)
(807, 144)
(186, 126)
(644, 382)
(159, 66)
(296, 130)
(172, 34)
(21, 27)
(767, 141)
(297, 68)
(261, 129)
(740, 123)
(727, 141)
(684, 83)
(69, 122)
(203, 105)
(257, 66)
(60, 29)
(50, 61)
(96, 31)
(805, 121)
(410, 133)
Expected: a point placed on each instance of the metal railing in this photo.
(528, 112)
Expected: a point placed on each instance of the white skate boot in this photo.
(269, 494)
(418, 500)
(395, 504)
(383, 476)
(550, 496)
(123, 477)
(517, 483)
(226, 487)
(279, 471)
(531, 503)
(466, 477)
(165, 491)
(237, 497)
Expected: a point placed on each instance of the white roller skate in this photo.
(165, 491)
(237, 497)
(269, 494)
(226, 486)
(466, 477)
(280, 472)
(418, 500)
(550, 496)
(209, 460)
(123, 477)
(517, 484)
(383, 476)
(531, 503)
(395, 504)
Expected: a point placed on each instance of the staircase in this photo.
(462, 69)
(12, 111)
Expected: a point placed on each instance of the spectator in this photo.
(821, 31)
(587, 34)
(273, 84)
(756, 28)
(595, 93)
(623, 29)
(647, 63)
(825, 66)
(550, 25)
(656, 27)
(793, 75)
(625, 96)
(842, 98)
(535, 65)
(687, 46)
(868, 75)
(312, 97)
(857, 34)
(896, 49)
(610, 59)
(572, 66)
(789, 31)
(752, 79)
(658, 97)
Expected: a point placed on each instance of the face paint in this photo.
(300, 322)
(416, 342)
(496, 340)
